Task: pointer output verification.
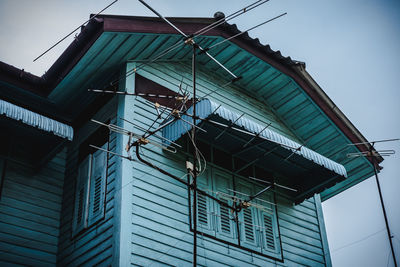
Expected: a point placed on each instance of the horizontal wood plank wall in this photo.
(94, 245)
(160, 229)
(30, 209)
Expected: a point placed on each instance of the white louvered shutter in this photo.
(81, 196)
(248, 219)
(98, 185)
(269, 234)
(225, 225)
(268, 231)
(204, 205)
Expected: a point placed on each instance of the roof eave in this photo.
(74, 52)
(109, 23)
(21, 79)
(337, 115)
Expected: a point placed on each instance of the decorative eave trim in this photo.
(36, 120)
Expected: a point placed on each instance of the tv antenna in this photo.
(373, 154)
(137, 140)
(187, 39)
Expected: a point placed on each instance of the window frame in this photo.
(258, 246)
(97, 186)
(88, 184)
(81, 197)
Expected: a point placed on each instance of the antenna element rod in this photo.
(240, 33)
(69, 34)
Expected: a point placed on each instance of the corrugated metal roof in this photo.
(206, 108)
(292, 105)
(275, 80)
(36, 120)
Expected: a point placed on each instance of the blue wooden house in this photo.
(64, 202)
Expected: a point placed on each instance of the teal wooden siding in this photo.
(30, 208)
(285, 98)
(160, 224)
(95, 244)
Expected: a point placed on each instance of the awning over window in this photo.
(36, 120)
(296, 165)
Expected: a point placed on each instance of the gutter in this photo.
(43, 86)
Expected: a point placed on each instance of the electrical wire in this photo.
(357, 241)
(199, 155)
(155, 120)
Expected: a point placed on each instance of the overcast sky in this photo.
(351, 48)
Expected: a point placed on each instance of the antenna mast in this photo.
(373, 154)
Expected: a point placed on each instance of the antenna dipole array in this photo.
(150, 135)
(187, 39)
(136, 140)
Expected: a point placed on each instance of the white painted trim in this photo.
(124, 176)
(36, 120)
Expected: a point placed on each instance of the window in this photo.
(90, 187)
(258, 223)
(254, 228)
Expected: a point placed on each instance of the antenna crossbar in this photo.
(189, 40)
(275, 184)
(244, 131)
(196, 34)
(374, 142)
(246, 31)
(257, 135)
